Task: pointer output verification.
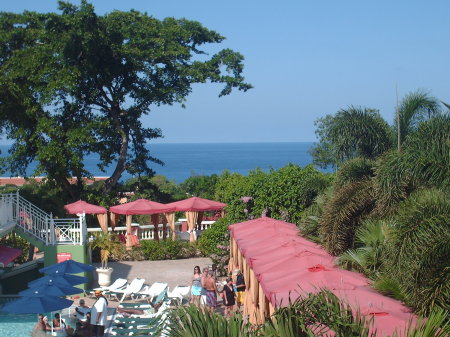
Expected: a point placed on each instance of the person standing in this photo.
(99, 312)
(211, 292)
(240, 288)
(196, 288)
(229, 297)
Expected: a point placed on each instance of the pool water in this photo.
(12, 325)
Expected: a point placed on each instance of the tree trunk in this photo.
(121, 164)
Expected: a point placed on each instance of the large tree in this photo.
(77, 83)
(350, 133)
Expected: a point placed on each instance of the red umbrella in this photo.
(194, 204)
(81, 206)
(140, 206)
(193, 207)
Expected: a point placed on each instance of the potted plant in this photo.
(108, 244)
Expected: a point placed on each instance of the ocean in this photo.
(185, 160)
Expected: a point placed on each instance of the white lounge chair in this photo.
(131, 290)
(118, 284)
(178, 294)
(155, 293)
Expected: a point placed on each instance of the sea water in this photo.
(184, 160)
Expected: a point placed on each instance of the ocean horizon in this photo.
(183, 160)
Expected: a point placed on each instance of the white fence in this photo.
(146, 232)
(39, 224)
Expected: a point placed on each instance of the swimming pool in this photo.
(12, 325)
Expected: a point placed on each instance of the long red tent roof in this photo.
(288, 266)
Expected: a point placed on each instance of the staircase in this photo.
(38, 227)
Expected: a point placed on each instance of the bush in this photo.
(418, 256)
(215, 236)
(167, 250)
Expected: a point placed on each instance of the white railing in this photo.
(205, 224)
(146, 232)
(39, 224)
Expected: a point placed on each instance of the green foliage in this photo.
(313, 316)
(419, 251)
(344, 213)
(156, 188)
(76, 83)
(108, 244)
(423, 161)
(435, 325)
(216, 235)
(370, 242)
(283, 193)
(230, 188)
(167, 249)
(200, 186)
(354, 170)
(352, 132)
(192, 322)
(389, 286)
(309, 223)
(286, 192)
(14, 241)
(415, 108)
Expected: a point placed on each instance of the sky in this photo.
(305, 59)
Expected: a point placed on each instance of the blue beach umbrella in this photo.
(60, 279)
(67, 267)
(36, 304)
(50, 289)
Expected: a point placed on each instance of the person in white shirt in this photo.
(81, 311)
(99, 312)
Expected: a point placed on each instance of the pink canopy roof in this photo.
(81, 206)
(140, 206)
(194, 204)
(288, 266)
(7, 255)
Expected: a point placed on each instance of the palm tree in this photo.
(108, 245)
(370, 240)
(415, 108)
(352, 132)
(418, 252)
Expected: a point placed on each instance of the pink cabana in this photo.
(137, 207)
(194, 208)
(80, 207)
(279, 266)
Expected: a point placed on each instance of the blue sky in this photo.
(305, 59)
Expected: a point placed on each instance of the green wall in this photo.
(79, 253)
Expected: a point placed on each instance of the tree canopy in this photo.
(76, 83)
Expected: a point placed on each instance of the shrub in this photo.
(419, 251)
(215, 236)
(167, 249)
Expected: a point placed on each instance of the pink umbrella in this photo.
(80, 207)
(194, 204)
(194, 208)
(140, 206)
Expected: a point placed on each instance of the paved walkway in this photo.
(174, 272)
